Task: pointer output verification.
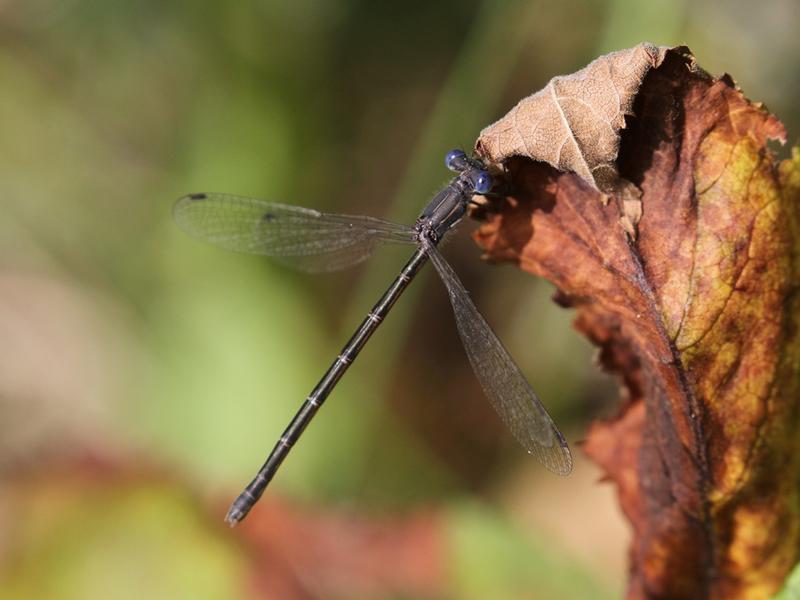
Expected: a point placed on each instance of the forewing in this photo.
(511, 395)
(300, 237)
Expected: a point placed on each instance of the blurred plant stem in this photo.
(629, 22)
(466, 102)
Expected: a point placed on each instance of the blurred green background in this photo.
(144, 376)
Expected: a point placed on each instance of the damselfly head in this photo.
(473, 170)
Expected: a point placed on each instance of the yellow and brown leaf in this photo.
(700, 317)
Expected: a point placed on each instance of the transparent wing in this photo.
(300, 237)
(502, 381)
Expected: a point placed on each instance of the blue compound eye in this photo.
(453, 158)
(483, 182)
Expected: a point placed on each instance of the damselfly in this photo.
(316, 241)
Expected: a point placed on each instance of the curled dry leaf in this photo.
(574, 122)
(699, 316)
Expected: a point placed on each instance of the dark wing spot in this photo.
(197, 196)
(268, 217)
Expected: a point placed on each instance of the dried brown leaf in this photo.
(700, 317)
(574, 122)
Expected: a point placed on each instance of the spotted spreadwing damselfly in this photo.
(315, 241)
